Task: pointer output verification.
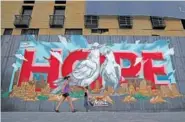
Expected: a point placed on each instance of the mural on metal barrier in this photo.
(131, 71)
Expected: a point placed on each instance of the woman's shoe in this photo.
(57, 111)
(74, 110)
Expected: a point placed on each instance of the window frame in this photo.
(60, 1)
(27, 8)
(29, 1)
(91, 21)
(73, 29)
(8, 29)
(62, 8)
(183, 23)
(35, 31)
(158, 22)
(125, 22)
(99, 30)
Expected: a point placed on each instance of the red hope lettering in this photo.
(53, 69)
(28, 68)
(79, 55)
(133, 70)
(149, 70)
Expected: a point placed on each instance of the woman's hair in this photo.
(87, 87)
(66, 77)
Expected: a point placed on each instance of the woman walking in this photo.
(87, 99)
(65, 95)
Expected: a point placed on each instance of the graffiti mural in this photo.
(131, 71)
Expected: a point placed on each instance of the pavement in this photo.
(93, 117)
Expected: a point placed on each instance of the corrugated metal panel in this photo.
(19, 105)
(5, 50)
(15, 45)
(178, 60)
(32, 106)
(7, 73)
(174, 9)
(3, 66)
(46, 106)
(7, 104)
(43, 38)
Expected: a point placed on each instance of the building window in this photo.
(59, 10)
(155, 35)
(27, 10)
(183, 23)
(29, 1)
(57, 19)
(73, 32)
(30, 32)
(158, 22)
(8, 31)
(99, 30)
(60, 1)
(125, 22)
(91, 21)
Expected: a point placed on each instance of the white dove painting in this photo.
(88, 70)
(110, 70)
(59, 83)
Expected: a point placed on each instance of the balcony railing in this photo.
(22, 21)
(56, 21)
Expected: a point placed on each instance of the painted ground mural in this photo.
(129, 71)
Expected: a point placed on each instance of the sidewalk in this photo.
(18, 105)
(92, 117)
